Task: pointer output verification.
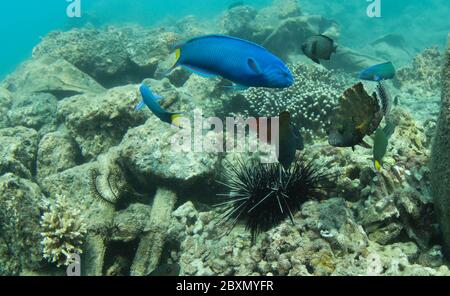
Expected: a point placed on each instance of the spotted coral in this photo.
(63, 233)
(310, 100)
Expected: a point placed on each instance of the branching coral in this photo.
(310, 100)
(63, 233)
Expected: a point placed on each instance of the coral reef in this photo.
(68, 130)
(19, 225)
(18, 147)
(440, 160)
(311, 100)
(325, 240)
(420, 84)
(57, 152)
(63, 231)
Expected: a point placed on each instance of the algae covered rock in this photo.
(96, 52)
(149, 151)
(57, 152)
(18, 151)
(112, 56)
(19, 224)
(5, 105)
(440, 158)
(50, 75)
(99, 122)
(35, 110)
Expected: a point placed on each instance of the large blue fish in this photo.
(151, 101)
(244, 63)
(378, 72)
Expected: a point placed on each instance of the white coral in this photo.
(63, 233)
(311, 100)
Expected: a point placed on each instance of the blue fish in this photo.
(244, 63)
(151, 101)
(378, 72)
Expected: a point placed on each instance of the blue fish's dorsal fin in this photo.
(254, 66)
(221, 36)
(140, 106)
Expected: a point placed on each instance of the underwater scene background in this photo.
(360, 184)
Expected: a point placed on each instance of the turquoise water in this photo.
(423, 23)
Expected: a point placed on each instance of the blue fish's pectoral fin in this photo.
(377, 78)
(158, 98)
(200, 72)
(140, 106)
(254, 66)
(236, 87)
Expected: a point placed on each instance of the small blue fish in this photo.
(244, 63)
(151, 101)
(378, 72)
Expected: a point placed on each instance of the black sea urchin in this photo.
(263, 195)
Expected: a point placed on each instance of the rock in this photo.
(148, 151)
(350, 61)
(50, 75)
(99, 122)
(72, 183)
(238, 22)
(19, 223)
(18, 147)
(112, 56)
(36, 111)
(151, 244)
(94, 250)
(96, 52)
(131, 223)
(420, 84)
(5, 105)
(440, 159)
(56, 153)
(386, 234)
(287, 8)
(392, 47)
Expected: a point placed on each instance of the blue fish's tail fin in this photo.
(175, 119)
